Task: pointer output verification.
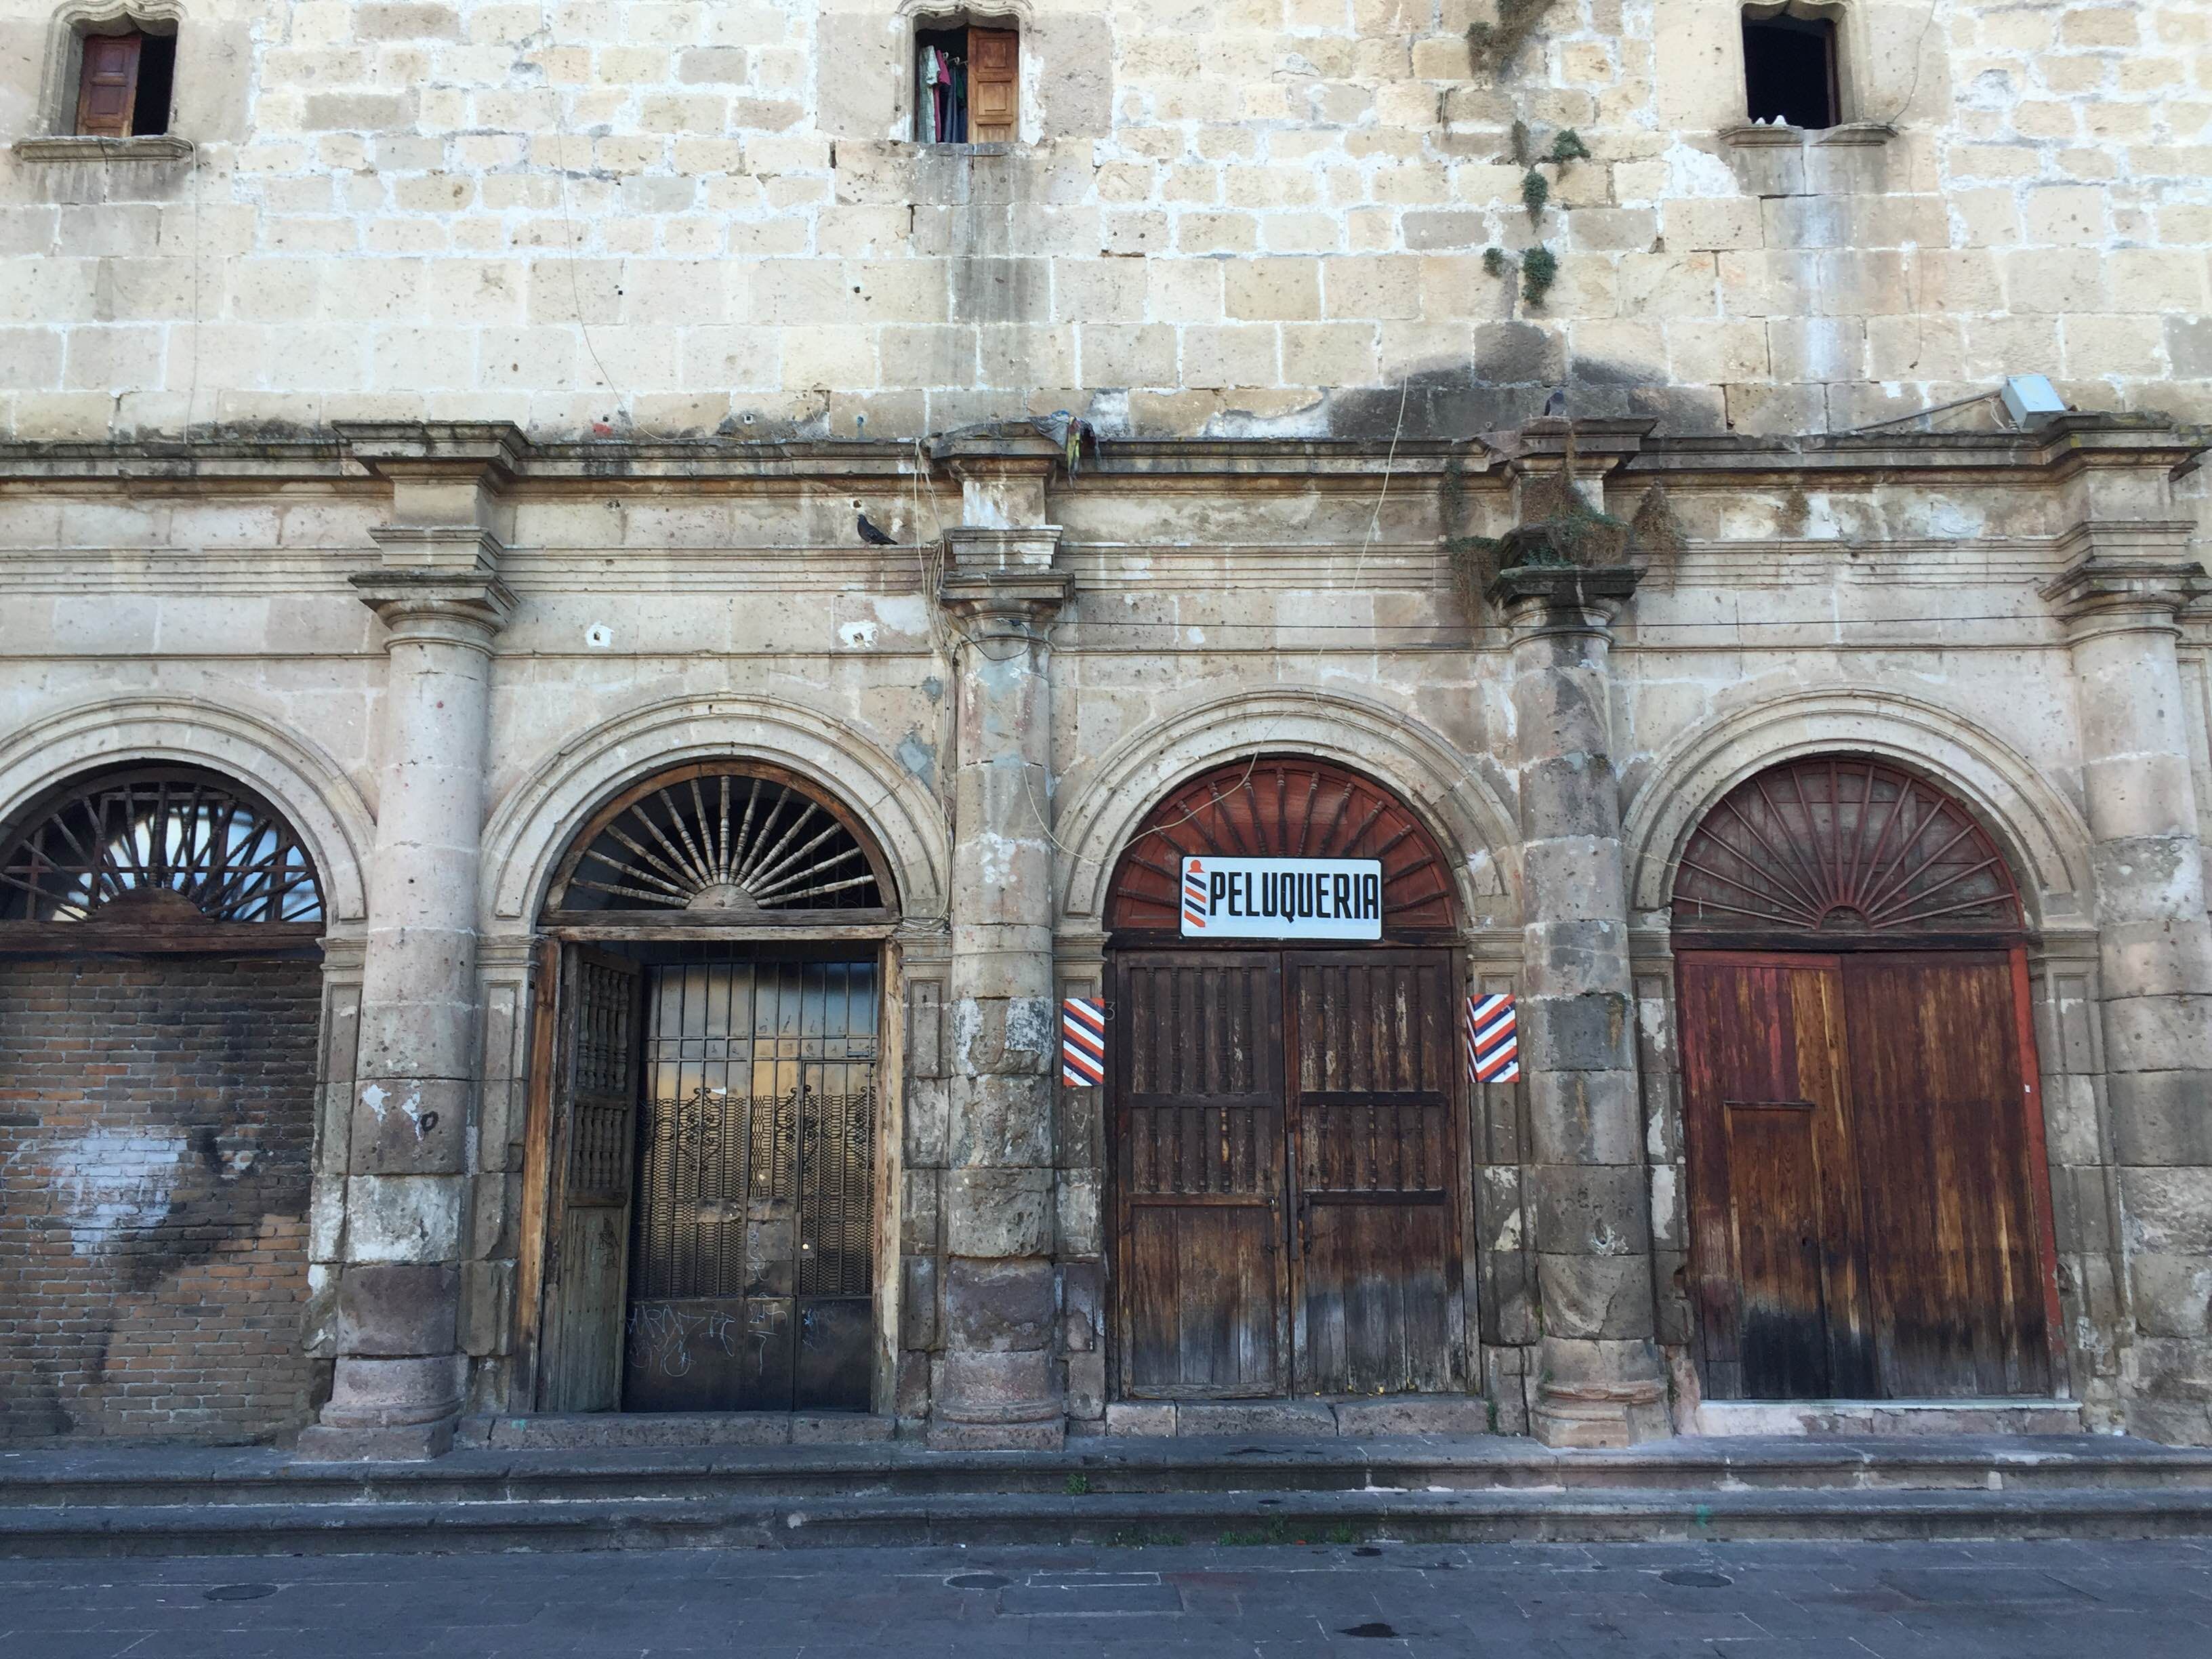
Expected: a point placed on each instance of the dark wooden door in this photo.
(1285, 1227)
(1199, 1160)
(1863, 1212)
(1375, 1170)
(1938, 1093)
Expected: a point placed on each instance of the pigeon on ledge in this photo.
(872, 536)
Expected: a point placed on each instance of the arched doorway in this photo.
(708, 1091)
(1285, 1147)
(1868, 1188)
(161, 990)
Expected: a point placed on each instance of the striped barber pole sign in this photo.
(1493, 1042)
(1083, 1042)
(1194, 895)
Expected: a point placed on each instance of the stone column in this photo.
(1601, 1383)
(997, 1385)
(2154, 949)
(400, 1378)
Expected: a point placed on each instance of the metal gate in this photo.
(752, 1261)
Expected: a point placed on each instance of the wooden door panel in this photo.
(1953, 1255)
(1378, 1295)
(1203, 1308)
(1198, 1172)
(1783, 1328)
(595, 1112)
(1774, 1230)
(1376, 1172)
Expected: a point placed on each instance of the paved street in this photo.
(2145, 1600)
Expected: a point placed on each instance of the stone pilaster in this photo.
(997, 1382)
(401, 1376)
(1601, 1381)
(2121, 606)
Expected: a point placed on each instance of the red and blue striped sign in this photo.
(1493, 1042)
(1194, 894)
(1083, 1042)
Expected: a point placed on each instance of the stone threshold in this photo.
(1306, 1419)
(1830, 1419)
(613, 1431)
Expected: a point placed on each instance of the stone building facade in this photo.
(435, 530)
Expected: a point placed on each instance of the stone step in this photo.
(252, 1477)
(1126, 1519)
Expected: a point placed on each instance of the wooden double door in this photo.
(1867, 1188)
(1286, 1162)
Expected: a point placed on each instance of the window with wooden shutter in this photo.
(124, 82)
(108, 92)
(965, 86)
(994, 72)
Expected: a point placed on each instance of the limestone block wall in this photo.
(1265, 216)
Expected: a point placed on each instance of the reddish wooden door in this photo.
(1774, 1186)
(1861, 1149)
(1277, 1231)
(1199, 1156)
(1375, 1167)
(1939, 1100)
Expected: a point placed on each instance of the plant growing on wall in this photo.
(1558, 529)
(1490, 45)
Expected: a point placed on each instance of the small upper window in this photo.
(966, 83)
(1789, 68)
(124, 85)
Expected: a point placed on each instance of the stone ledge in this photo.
(86, 146)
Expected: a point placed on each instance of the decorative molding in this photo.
(2042, 833)
(532, 826)
(1469, 818)
(298, 778)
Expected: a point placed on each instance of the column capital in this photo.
(455, 607)
(1559, 599)
(1000, 584)
(2125, 593)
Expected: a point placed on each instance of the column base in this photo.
(1603, 1393)
(407, 1443)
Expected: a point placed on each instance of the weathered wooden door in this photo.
(1939, 1095)
(596, 1089)
(1375, 1167)
(1200, 1164)
(753, 1258)
(1861, 1193)
(1283, 1228)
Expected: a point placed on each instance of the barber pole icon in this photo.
(1194, 893)
(1493, 1043)
(1083, 1042)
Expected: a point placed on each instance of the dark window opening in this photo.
(157, 74)
(1789, 70)
(125, 83)
(965, 82)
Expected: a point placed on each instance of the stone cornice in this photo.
(1000, 604)
(354, 451)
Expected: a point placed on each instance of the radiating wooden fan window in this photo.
(1282, 807)
(716, 839)
(154, 847)
(1836, 847)
(125, 83)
